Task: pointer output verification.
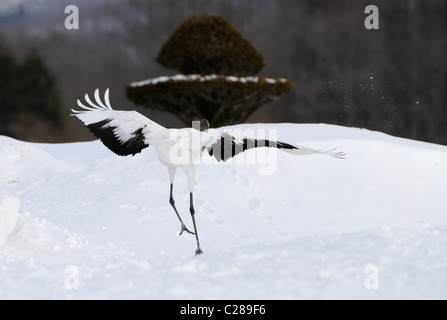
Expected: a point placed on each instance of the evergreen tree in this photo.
(219, 84)
(28, 93)
(38, 86)
(8, 83)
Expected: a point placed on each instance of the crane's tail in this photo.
(305, 151)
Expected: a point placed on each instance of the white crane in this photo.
(129, 132)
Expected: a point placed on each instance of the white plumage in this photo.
(129, 132)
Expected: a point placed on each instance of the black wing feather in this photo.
(226, 147)
(106, 133)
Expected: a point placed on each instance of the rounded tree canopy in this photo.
(208, 44)
(222, 100)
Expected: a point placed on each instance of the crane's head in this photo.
(204, 125)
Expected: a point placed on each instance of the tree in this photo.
(208, 44)
(28, 94)
(38, 86)
(219, 84)
(9, 76)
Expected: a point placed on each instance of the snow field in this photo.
(78, 222)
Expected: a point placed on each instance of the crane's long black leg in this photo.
(172, 202)
(191, 209)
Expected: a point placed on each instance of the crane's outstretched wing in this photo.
(123, 132)
(227, 146)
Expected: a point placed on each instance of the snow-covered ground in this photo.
(77, 221)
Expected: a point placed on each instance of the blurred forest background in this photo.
(392, 79)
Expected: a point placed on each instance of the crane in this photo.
(129, 132)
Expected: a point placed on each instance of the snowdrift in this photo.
(78, 222)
